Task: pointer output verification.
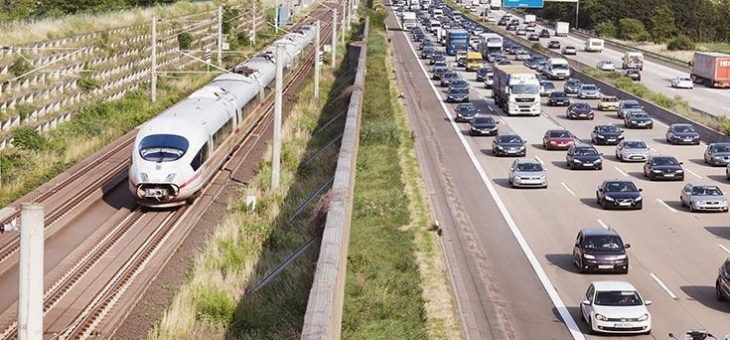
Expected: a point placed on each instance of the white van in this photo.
(409, 20)
(594, 45)
(437, 12)
(557, 68)
(434, 25)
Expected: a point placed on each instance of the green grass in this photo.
(722, 47)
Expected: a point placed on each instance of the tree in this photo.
(681, 42)
(606, 29)
(632, 29)
(662, 24)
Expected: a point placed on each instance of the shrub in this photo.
(681, 42)
(87, 83)
(20, 66)
(184, 40)
(24, 111)
(606, 29)
(28, 138)
(632, 29)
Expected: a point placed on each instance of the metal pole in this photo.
(276, 154)
(153, 67)
(342, 27)
(254, 23)
(30, 297)
(349, 14)
(276, 15)
(577, 5)
(316, 61)
(334, 36)
(220, 36)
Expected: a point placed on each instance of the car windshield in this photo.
(509, 139)
(459, 90)
(721, 148)
(548, 86)
(484, 120)
(706, 191)
(573, 82)
(609, 99)
(560, 134)
(163, 148)
(585, 152)
(606, 243)
(588, 88)
(620, 187)
(664, 161)
(609, 128)
(618, 298)
(558, 95)
(639, 115)
(469, 107)
(524, 89)
(529, 167)
(632, 105)
(683, 128)
(634, 145)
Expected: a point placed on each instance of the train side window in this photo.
(200, 158)
(222, 133)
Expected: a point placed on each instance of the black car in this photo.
(663, 167)
(579, 110)
(544, 33)
(438, 72)
(572, 86)
(457, 95)
(483, 72)
(459, 83)
(504, 61)
(717, 154)
(583, 156)
(554, 44)
(558, 99)
(502, 23)
(533, 37)
(425, 43)
(633, 74)
(426, 52)
(619, 194)
(722, 284)
(448, 77)
(483, 126)
(607, 134)
(533, 62)
(683, 134)
(509, 145)
(600, 249)
(638, 119)
(512, 27)
(436, 57)
(465, 112)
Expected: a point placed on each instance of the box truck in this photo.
(711, 69)
(516, 90)
(633, 60)
(530, 20)
(594, 45)
(562, 29)
(495, 4)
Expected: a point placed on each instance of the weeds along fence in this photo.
(323, 318)
(74, 72)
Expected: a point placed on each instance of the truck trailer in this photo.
(530, 20)
(516, 90)
(711, 69)
(495, 4)
(562, 29)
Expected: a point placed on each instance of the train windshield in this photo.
(163, 148)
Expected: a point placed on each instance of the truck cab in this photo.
(516, 90)
(557, 68)
(409, 20)
(633, 60)
(490, 43)
(474, 61)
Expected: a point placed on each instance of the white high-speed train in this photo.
(178, 152)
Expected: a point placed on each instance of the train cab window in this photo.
(163, 148)
(200, 158)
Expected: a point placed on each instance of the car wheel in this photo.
(718, 291)
(600, 167)
(604, 206)
(691, 207)
(624, 271)
(681, 202)
(581, 268)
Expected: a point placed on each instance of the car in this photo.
(448, 77)
(523, 56)
(425, 43)
(557, 139)
(572, 86)
(546, 88)
(441, 63)
(681, 133)
(426, 52)
(608, 103)
(619, 194)
(682, 83)
(439, 72)
(579, 110)
(504, 62)
(511, 27)
(600, 249)
(483, 72)
(627, 105)
(558, 98)
(554, 44)
(703, 197)
(615, 307)
(633, 74)
(607, 134)
(491, 19)
(583, 156)
(465, 112)
(722, 284)
(570, 50)
(474, 9)
(717, 154)
(509, 144)
(483, 126)
(521, 31)
(632, 151)
(459, 83)
(606, 65)
(527, 173)
(638, 119)
(502, 23)
(533, 62)
(589, 91)
(663, 167)
(492, 56)
(544, 33)
(436, 57)
(533, 37)
(530, 28)
(457, 95)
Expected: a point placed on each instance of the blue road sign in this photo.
(523, 3)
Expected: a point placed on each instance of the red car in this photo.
(579, 111)
(559, 139)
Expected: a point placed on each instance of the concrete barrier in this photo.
(323, 318)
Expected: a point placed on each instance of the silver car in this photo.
(703, 197)
(632, 151)
(527, 173)
(589, 91)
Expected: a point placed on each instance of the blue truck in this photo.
(457, 40)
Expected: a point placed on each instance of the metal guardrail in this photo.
(323, 318)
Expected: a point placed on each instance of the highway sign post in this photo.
(523, 3)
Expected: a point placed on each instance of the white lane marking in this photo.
(693, 173)
(666, 205)
(540, 160)
(534, 263)
(661, 284)
(724, 248)
(569, 191)
(604, 225)
(621, 171)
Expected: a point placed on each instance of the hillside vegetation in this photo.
(22, 9)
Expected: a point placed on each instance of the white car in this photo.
(606, 65)
(682, 83)
(521, 31)
(491, 19)
(615, 307)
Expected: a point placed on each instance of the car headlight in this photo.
(643, 317)
(522, 147)
(589, 256)
(679, 171)
(621, 257)
(600, 317)
(517, 178)
(656, 171)
(638, 199)
(634, 122)
(577, 161)
(599, 160)
(600, 136)
(499, 147)
(609, 198)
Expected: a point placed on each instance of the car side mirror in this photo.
(647, 302)
(640, 189)
(497, 122)
(627, 245)
(600, 189)
(680, 163)
(588, 302)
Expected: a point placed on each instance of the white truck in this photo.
(516, 90)
(562, 29)
(490, 42)
(495, 4)
(594, 45)
(557, 68)
(441, 36)
(633, 60)
(530, 20)
(409, 20)
(475, 3)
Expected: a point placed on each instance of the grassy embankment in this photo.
(396, 282)
(217, 300)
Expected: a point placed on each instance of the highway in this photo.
(655, 76)
(674, 256)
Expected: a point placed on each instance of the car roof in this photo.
(630, 101)
(703, 184)
(597, 231)
(612, 285)
(662, 156)
(527, 161)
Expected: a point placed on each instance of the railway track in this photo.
(161, 224)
